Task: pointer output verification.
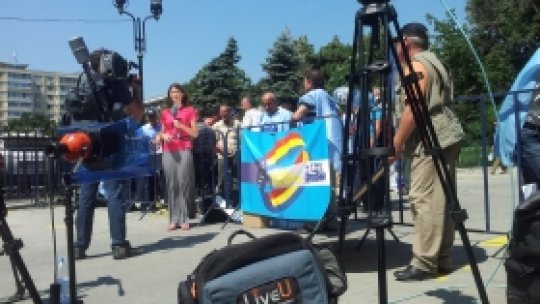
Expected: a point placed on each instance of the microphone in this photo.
(79, 50)
(174, 111)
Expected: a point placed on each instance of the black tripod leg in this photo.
(229, 217)
(381, 265)
(394, 236)
(70, 243)
(472, 262)
(12, 247)
(361, 242)
(496, 253)
(19, 294)
(342, 226)
(502, 248)
(318, 226)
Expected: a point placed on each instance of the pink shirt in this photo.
(180, 139)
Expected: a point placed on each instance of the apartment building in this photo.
(30, 91)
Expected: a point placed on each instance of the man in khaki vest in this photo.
(433, 226)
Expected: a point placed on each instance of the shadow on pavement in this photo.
(168, 243)
(398, 254)
(101, 281)
(451, 296)
(174, 242)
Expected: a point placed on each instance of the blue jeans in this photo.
(116, 193)
(530, 156)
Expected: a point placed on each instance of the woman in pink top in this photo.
(178, 129)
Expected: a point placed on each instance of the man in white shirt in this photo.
(252, 116)
(274, 118)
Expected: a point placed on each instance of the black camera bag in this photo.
(523, 262)
(278, 268)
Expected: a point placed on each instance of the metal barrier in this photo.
(228, 167)
(28, 171)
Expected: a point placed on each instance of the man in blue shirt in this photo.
(152, 127)
(274, 118)
(316, 103)
(146, 185)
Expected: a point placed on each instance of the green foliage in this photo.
(31, 122)
(282, 67)
(306, 52)
(334, 62)
(219, 81)
(470, 156)
(506, 34)
(451, 47)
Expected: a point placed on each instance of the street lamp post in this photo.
(139, 30)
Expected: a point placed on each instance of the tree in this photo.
(32, 122)
(282, 67)
(334, 62)
(306, 52)
(507, 33)
(219, 81)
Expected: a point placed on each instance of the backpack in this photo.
(523, 262)
(277, 268)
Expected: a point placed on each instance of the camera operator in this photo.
(116, 191)
(433, 225)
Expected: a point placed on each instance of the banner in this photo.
(505, 136)
(286, 174)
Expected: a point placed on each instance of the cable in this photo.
(63, 20)
(53, 226)
(476, 57)
(490, 93)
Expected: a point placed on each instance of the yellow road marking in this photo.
(441, 278)
(495, 242)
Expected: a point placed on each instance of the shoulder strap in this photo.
(238, 232)
(439, 68)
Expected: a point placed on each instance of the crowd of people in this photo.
(182, 138)
(187, 139)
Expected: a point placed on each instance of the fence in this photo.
(28, 171)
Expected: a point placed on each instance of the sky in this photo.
(187, 36)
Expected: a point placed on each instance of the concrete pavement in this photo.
(169, 256)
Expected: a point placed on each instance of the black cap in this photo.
(415, 29)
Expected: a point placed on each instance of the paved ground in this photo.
(169, 256)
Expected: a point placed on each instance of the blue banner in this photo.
(286, 174)
(125, 155)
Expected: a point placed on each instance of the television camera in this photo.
(96, 134)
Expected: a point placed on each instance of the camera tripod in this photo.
(378, 15)
(11, 247)
(68, 190)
